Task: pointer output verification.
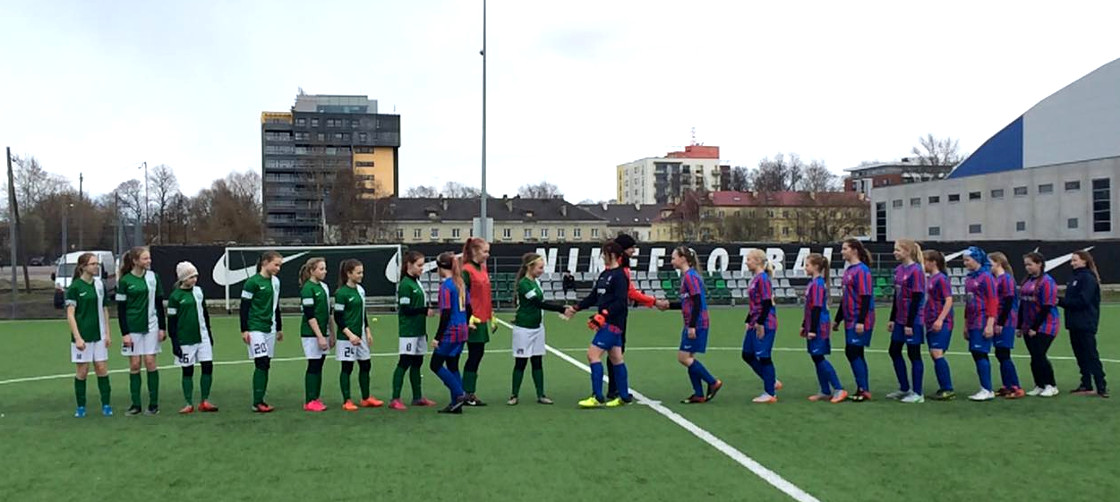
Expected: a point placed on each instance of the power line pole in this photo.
(81, 209)
(12, 228)
(483, 223)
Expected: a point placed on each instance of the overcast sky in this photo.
(575, 88)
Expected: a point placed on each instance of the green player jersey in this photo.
(316, 295)
(410, 295)
(187, 305)
(529, 297)
(140, 294)
(88, 300)
(263, 295)
(351, 302)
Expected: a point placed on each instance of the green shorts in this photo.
(480, 333)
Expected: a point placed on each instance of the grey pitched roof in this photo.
(625, 214)
(515, 209)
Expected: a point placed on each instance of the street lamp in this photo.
(144, 212)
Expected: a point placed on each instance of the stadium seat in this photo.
(784, 283)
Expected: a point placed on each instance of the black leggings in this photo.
(314, 366)
(438, 361)
(853, 352)
(475, 351)
(408, 360)
(1003, 354)
(1043, 372)
(207, 369)
(520, 362)
(263, 363)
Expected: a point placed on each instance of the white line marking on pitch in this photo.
(758, 469)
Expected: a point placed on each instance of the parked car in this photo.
(38, 261)
(65, 273)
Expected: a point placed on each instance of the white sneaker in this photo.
(983, 395)
(1049, 391)
(1035, 392)
(914, 398)
(898, 394)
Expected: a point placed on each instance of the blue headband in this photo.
(980, 256)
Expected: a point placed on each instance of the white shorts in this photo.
(143, 344)
(528, 342)
(311, 348)
(413, 345)
(195, 353)
(346, 351)
(95, 352)
(261, 344)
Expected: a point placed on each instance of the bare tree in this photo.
(228, 211)
(33, 183)
(933, 151)
(779, 174)
(745, 226)
(830, 224)
(740, 179)
(817, 178)
(542, 190)
(130, 195)
(165, 186)
(422, 192)
(456, 190)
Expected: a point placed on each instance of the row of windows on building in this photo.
(1020, 226)
(999, 193)
(284, 136)
(507, 233)
(306, 150)
(333, 123)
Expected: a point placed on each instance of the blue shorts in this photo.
(858, 340)
(606, 339)
(760, 348)
(696, 345)
(448, 349)
(819, 346)
(940, 339)
(977, 342)
(899, 334)
(1006, 338)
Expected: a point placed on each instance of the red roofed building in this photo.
(765, 216)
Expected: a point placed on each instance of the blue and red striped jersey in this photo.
(692, 286)
(908, 280)
(760, 289)
(1005, 287)
(981, 302)
(857, 283)
(816, 296)
(937, 291)
(449, 302)
(1039, 295)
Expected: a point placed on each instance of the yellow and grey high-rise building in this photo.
(302, 151)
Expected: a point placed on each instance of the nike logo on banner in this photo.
(1054, 263)
(225, 277)
(951, 257)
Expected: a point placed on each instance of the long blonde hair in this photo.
(759, 255)
(307, 268)
(128, 262)
(689, 256)
(528, 260)
(912, 249)
(1001, 259)
(818, 260)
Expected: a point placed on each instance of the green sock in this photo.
(106, 391)
(344, 385)
(470, 379)
(363, 383)
(134, 388)
(308, 387)
(80, 392)
(538, 380)
(398, 381)
(518, 376)
(414, 379)
(260, 384)
(206, 380)
(153, 388)
(188, 389)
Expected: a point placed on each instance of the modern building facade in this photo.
(663, 180)
(304, 149)
(1052, 173)
(908, 170)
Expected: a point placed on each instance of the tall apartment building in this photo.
(302, 151)
(663, 180)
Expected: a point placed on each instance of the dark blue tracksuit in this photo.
(1082, 304)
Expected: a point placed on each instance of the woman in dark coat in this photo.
(1082, 304)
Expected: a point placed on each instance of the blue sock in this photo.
(769, 377)
(822, 377)
(944, 376)
(623, 381)
(984, 370)
(694, 377)
(453, 384)
(830, 374)
(597, 381)
(900, 373)
(703, 372)
(917, 372)
(1008, 373)
(859, 368)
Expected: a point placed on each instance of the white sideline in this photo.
(758, 469)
